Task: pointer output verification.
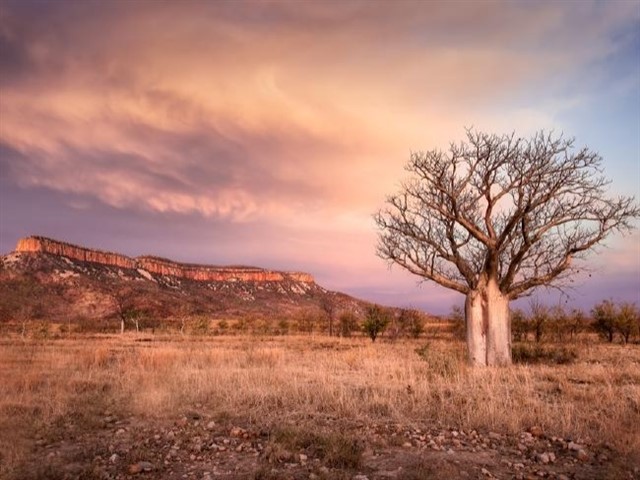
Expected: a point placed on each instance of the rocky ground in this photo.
(197, 446)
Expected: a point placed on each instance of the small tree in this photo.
(456, 317)
(627, 321)
(519, 325)
(538, 320)
(123, 303)
(376, 321)
(348, 323)
(328, 306)
(577, 321)
(412, 322)
(604, 319)
(495, 218)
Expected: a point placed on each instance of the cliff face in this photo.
(158, 266)
(54, 247)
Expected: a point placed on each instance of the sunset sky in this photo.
(267, 133)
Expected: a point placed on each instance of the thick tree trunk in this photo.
(488, 325)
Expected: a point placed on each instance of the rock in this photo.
(574, 446)
(359, 477)
(407, 445)
(211, 425)
(536, 431)
(544, 458)
(153, 265)
(495, 436)
(485, 472)
(303, 458)
(120, 431)
(582, 455)
(113, 458)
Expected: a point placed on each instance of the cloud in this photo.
(293, 119)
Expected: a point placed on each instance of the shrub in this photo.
(408, 323)
(538, 320)
(306, 321)
(519, 325)
(523, 353)
(283, 327)
(348, 323)
(626, 323)
(456, 317)
(200, 326)
(604, 319)
(375, 322)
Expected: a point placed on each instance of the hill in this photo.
(64, 283)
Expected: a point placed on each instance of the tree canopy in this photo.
(513, 209)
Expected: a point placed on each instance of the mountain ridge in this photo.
(47, 278)
(155, 264)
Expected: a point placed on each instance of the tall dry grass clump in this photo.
(274, 381)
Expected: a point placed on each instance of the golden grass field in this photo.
(291, 380)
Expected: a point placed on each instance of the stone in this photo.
(582, 455)
(536, 431)
(211, 425)
(359, 477)
(544, 458)
(574, 446)
(303, 458)
(113, 458)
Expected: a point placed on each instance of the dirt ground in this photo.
(310, 408)
(199, 446)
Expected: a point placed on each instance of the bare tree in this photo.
(123, 306)
(496, 217)
(328, 306)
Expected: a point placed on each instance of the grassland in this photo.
(310, 407)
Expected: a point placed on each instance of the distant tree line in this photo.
(610, 321)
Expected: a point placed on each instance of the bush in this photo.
(456, 317)
(348, 323)
(531, 354)
(200, 326)
(376, 321)
(610, 319)
(409, 323)
(519, 325)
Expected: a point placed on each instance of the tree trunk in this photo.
(488, 325)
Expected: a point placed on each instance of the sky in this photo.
(268, 133)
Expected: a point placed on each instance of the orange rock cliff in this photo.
(156, 265)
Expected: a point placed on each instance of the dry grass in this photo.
(273, 381)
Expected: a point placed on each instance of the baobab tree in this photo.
(496, 217)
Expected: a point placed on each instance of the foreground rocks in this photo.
(198, 446)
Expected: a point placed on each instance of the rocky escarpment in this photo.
(158, 266)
